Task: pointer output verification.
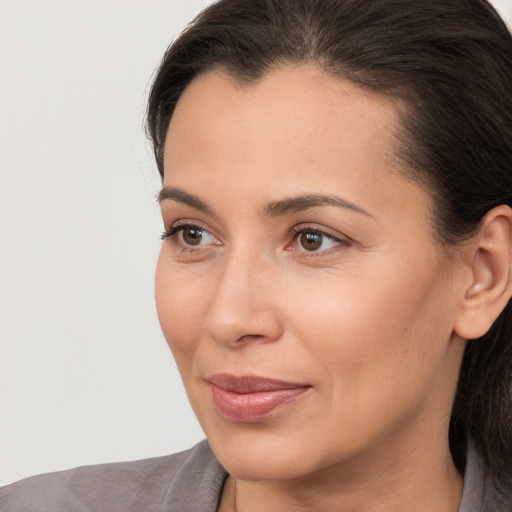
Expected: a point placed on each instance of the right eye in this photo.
(189, 236)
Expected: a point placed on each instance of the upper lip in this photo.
(250, 383)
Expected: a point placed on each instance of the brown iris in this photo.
(311, 241)
(192, 236)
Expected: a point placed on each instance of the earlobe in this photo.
(490, 287)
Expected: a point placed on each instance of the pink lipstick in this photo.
(248, 399)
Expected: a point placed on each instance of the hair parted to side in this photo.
(449, 63)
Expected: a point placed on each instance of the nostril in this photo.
(247, 338)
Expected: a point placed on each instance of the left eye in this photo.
(315, 241)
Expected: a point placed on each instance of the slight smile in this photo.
(250, 398)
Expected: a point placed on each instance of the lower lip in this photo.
(251, 407)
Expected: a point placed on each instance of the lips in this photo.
(249, 398)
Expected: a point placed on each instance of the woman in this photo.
(335, 273)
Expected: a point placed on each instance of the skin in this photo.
(367, 320)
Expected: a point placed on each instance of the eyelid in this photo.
(309, 226)
(181, 224)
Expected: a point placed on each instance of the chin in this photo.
(257, 456)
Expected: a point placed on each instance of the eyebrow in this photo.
(177, 194)
(272, 209)
(299, 203)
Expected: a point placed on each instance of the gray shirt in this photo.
(189, 481)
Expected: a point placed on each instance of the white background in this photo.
(85, 374)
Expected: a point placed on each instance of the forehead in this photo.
(288, 106)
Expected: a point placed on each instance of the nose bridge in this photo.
(242, 308)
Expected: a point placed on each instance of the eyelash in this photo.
(296, 232)
(175, 230)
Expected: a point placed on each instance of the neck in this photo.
(421, 480)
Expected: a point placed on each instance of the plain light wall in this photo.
(85, 374)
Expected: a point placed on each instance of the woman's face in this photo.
(300, 288)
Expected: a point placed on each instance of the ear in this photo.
(490, 260)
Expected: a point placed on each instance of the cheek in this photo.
(180, 303)
(378, 329)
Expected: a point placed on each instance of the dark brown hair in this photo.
(450, 63)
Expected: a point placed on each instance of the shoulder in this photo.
(480, 493)
(186, 481)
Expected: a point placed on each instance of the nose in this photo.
(245, 304)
